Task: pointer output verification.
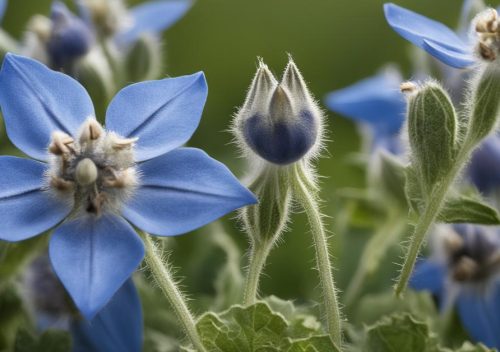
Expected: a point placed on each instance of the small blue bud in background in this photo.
(280, 122)
(484, 167)
(70, 37)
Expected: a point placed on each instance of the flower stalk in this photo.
(163, 277)
(306, 195)
(258, 257)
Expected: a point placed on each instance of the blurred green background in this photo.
(334, 43)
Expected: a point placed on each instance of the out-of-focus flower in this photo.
(70, 38)
(432, 36)
(117, 327)
(279, 121)
(93, 179)
(465, 271)
(376, 103)
(484, 167)
(111, 18)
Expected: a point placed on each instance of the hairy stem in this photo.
(435, 201)
(166, 282)
(307, 197)
(258, 256)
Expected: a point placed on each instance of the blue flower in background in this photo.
(484, 167)
(432, 36)
(126, 26)
(465, 271)
(91, 179)
(376, 102)
(70, 37)
(3, 7)
(117, 327)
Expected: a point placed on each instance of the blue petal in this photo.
(484, 168)
(117, 327)
(479, 315)
(26, 210)
(417, 29)
(163, 114)
(429, 276)
(376, 100)
(3, 7)
(448, 56)
(37, 101)
(152, 18)
(183, 190)
(93, 258)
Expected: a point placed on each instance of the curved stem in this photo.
(375, 248)
(166, 282)
(435, 201)
(307, 198)
(258, 255)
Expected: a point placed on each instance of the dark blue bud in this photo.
(282, 142)
(70, 37)
(279, 122)
(484, 168)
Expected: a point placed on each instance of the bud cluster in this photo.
(96, 169)
(279, 121)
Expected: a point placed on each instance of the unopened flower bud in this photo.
(279, 121)
(70, 38)
(86, 172)
(144, 59)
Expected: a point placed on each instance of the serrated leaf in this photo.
(257, 328)
(400, 333)
(465, 209)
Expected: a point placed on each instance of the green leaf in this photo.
(13, 256)
(413, 190)
(485, 104)
(393, 177)
(49, 341)
(400, 333)
(257, 328)
(464, 209)
(432, 129)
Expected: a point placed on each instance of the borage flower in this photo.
(377, 104)
(465, 270)
(95, 178)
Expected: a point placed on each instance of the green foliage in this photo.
(13, 256)
(402, 332)
(464, 209)
(392, 176)
(257, 328)
(49, 341)
(432, 129)
(485, 104)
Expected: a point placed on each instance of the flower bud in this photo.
(432, 129)
(144, 59)
(280, 122)
(70, 37)
(487, 28)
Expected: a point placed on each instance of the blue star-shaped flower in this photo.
(377, 103)
(91, 179)
(466, 271)
(432, 36)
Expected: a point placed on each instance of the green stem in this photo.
(166, 282)
(307, 198)
(375, 248)
(435, 201)
(258, 255)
